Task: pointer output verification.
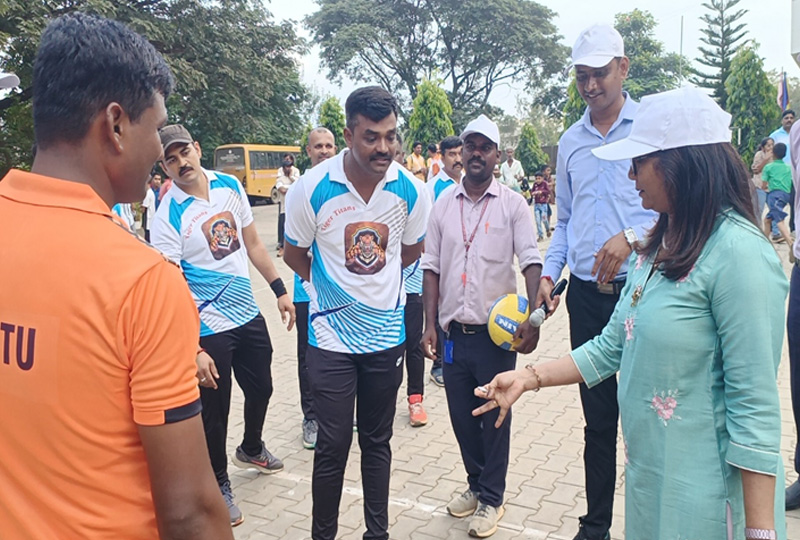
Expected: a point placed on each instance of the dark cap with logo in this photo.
(174, 134)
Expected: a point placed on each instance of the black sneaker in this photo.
(227, 493)
(264, 462)
(583, 536)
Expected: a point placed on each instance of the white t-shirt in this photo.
(205, 238)
(149, 206)
(510, 174)
(438, 184)
(125, 211)
(356, 290)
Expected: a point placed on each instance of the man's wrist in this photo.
(278, 288)
(549, 279)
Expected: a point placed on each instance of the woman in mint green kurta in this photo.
(696, 337)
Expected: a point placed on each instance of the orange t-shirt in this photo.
(98, 333)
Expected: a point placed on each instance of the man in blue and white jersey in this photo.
(321, 146)
(363, 219)
(205, 224)
(451, 174)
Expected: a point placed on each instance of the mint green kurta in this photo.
(697, 361)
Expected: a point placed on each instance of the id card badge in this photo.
(448, 351)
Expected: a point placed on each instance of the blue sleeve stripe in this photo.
(404, 188)
(289, 239)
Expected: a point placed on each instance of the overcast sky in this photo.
(768, 23)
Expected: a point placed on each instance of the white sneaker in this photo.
(484, 521)
(464, 505)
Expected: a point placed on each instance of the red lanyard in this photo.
(468, 242)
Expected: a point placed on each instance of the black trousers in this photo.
(589, 312)
(247, 351)
(484, 449)
(793, 333)
(415, 357)
(281, 223)
(336, 379)
(301, 323)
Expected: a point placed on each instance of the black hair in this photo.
(416, 143)
(373, 102)
(448, 143)
(433, 148)
(787, 111)
(540, 172)
(85, 62)
(289, 157)
(779, 150)
(701, 181)
(764, 142)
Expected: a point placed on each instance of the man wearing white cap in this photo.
(600, 219)
(474, 232)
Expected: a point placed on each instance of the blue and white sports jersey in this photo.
(205, 238)
(438, 184)
(412, 277)
(299, 293)
(357, 296)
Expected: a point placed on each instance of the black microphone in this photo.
(537, 317)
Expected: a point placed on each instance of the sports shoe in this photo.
(310, 429)
(777, 238)
(416, 412)
(264, 462)
(484, 521)
(583, 536)
(464, 505)
(436, 375)
(236, 515)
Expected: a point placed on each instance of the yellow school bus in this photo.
(255, 165)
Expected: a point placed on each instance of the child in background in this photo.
(541, 194)
(778, 177)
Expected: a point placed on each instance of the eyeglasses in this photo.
(637, 162)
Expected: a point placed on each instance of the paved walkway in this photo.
(544, 495)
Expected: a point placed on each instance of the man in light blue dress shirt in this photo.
(600, 219)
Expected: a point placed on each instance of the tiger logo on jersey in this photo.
(222, 235)
(365, 244)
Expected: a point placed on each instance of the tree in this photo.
(752, 101)
(237, 78)
(575, 106)
(652, 70)
(398, 43)
(723, 35)
(430, 120)
(331, 116)
(529, 151)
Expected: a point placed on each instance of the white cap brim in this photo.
(594, 61)
(8, 80)
(624, 149)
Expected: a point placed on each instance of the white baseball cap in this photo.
(485, 127)
(597, 45)
(674, 119)
(8, 80)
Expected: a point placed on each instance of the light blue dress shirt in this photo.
(780, 135)
(595, 199)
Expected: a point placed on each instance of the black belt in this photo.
(467, 329)
(613, 288)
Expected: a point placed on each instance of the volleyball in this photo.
(506, 314)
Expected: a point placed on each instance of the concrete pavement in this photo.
(544, 494)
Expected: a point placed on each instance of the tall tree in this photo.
(723, 36)
(575, 106)
(652, 70)
(331, 116)
(529, 150)
(430, 120)
(237, 78)
(752, 101)
(397, 43)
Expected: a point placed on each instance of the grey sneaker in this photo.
(236, 515)
(264, 462)
(310, 429)
(484, 521)
(463, 505)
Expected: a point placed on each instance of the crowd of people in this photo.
(122, 355)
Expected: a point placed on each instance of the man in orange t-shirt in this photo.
(101, 436)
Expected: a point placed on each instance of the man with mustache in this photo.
(205, 224)
(356, 335)
(600, 219)
(474, 232)
(451, 174)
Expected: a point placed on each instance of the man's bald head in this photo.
(321, 145)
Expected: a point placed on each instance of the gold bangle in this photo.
(538, 379)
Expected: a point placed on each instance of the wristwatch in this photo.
(630, 236)
(760, 534)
